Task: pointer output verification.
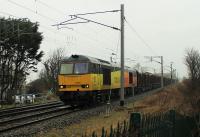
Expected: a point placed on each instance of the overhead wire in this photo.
(51, 7)
(146, 44)
(105, 40)
(31, 10)
(101, 34)
(87, 21)
(91, 39)
(95, 12)
(61, 12)
(117, 46)
(139, 36)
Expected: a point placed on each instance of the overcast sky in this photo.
(165, 28)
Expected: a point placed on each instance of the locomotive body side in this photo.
(95, 79)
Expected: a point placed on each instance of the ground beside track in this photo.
(169, 98)
(39, 100)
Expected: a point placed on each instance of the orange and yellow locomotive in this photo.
(84, 79)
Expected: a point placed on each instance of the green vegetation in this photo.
(19, 54)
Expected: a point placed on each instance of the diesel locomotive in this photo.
(88, 80)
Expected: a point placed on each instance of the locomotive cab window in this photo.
(93, 68)
(80, 68)
(66, 69)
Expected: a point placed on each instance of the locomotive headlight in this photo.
(87, 86)
(62, 86)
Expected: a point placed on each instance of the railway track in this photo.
(22, 122)
(24, 116)
(26, 111)
(15, 109)
(16, 124)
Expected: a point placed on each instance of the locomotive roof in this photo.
(86, 58)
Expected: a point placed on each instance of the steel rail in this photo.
(29, 110)
(28, 107)
(33, 115)
(35, 121)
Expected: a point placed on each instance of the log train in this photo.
(87, 80)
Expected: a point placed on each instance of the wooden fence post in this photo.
(103, 132)
(94, 134)
(111, 131)
(135, 123)
(172, 118)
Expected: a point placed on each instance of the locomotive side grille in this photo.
(78, 86)
(73, 86)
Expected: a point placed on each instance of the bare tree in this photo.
(192, 61)
(51, 69)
